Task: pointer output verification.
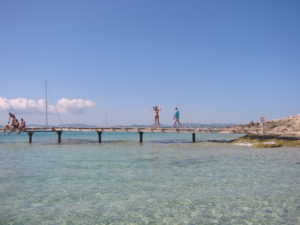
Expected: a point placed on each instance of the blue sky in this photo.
(218, 61)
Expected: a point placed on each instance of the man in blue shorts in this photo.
(176, 117)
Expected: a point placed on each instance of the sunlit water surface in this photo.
(165, 180)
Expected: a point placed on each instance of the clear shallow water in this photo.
(165, 180)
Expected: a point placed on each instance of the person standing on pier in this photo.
(156, 116)
(176, 118)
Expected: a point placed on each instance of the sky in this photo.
(109, 62)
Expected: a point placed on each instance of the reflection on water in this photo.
(165, 180)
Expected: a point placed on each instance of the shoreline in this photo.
(268, 141)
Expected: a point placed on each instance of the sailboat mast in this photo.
(46, 102)
(106, 120)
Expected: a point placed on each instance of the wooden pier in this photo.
(140, 131)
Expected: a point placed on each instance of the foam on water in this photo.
(165, 180)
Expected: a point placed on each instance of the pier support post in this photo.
(141, 136)
(99, 136)
(58, 136)
(194, 137)
(30, 133)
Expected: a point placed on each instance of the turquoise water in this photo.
(165, 180)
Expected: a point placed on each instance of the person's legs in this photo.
(155, 121)
(12, 127)
(179, 123)
(21, 128)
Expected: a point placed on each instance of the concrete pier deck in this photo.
(140, 130)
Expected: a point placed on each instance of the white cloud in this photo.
(29, 106)
(65, 105)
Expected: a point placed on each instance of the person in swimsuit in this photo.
(156, 116)
(176, 118)
(15, 125)
(11, 119)
(22, 125)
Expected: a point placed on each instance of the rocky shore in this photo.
(275, 133)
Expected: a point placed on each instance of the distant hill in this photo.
(64, 125)
(216, 125)
(77, 125)
(188, 125)
(191, 125)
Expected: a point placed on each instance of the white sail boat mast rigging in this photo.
(47, 89)
(46, 102)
